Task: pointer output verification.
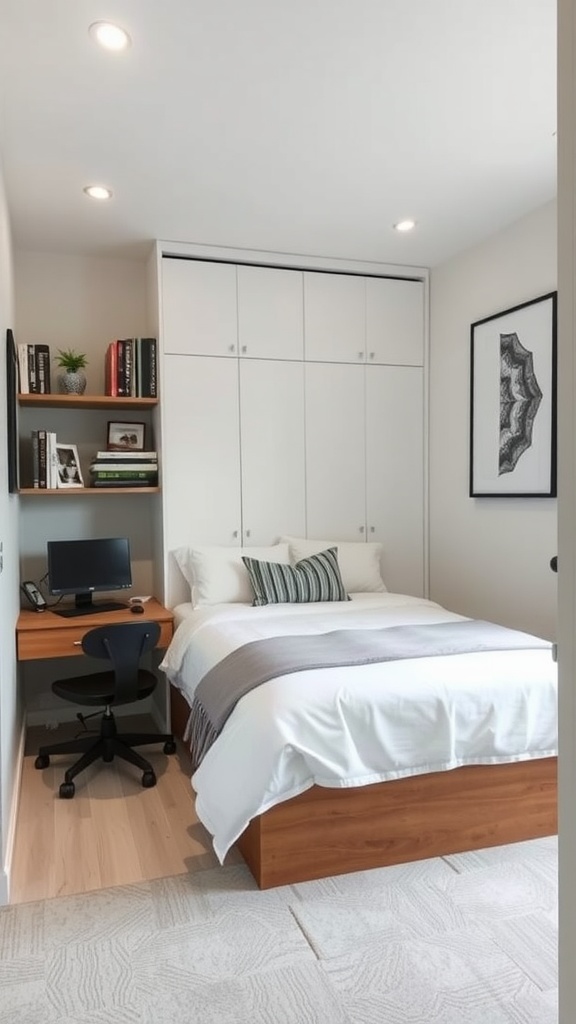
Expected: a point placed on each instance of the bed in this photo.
(326, 770)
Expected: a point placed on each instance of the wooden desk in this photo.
(47, 635)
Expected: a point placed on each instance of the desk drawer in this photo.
(64, 643)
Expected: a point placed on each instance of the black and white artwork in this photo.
(69, 472)
(513, 402)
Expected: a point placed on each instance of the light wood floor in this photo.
(113, 832)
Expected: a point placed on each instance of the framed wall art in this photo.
(12, 411)
(126, 437)
(513, 402)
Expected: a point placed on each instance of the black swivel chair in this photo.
(123, 644)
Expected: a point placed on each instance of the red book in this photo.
(111, 369)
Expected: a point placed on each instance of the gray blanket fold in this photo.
(255, 663)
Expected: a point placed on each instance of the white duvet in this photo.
(355, 726)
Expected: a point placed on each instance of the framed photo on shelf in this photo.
(69, 472)
(513, 402)
(126, 437)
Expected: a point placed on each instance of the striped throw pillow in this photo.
(312, 579)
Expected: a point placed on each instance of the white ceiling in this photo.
(301, 126)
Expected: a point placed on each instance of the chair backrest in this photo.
(123, 644)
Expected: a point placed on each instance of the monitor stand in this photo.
(84, 605)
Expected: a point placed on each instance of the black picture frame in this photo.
(12, 412)
(513, 403)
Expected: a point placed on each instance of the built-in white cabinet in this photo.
(293, 403)
(233, 441)
(334, 317)
(365, 463)
(394, 321)
(395, 513)
(220, 309)
(198, 308)
(356, 319)
(270, 313)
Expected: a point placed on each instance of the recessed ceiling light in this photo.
(405, 225)
(98, 192)
(110, 36)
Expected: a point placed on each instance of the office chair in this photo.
(123, 644)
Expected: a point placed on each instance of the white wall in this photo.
(10, 703)
(489, 557)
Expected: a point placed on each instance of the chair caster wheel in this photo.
(42, 761)
(67, 790)
(148, 780)
(169, 747)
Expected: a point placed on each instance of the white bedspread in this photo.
(355, 726)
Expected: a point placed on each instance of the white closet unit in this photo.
(270, 313)
(335, 451)
(233, 442)
(365, 463)
(395, 473)
(292, 403)
(199, 308)
(334, 317)
(394, 321)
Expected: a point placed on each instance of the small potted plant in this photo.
(73, 380)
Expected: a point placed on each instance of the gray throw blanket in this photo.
(254, 663)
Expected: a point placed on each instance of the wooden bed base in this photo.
(326, 832)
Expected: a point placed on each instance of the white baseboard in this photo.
(11, 836)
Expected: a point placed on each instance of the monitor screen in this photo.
(83, 567)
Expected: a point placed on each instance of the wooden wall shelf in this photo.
(75, 492)
(57, 401)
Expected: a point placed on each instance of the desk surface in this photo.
(47, 635)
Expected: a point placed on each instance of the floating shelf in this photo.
(57, 401)
(75, 492)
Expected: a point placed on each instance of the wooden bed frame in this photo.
(326, 832)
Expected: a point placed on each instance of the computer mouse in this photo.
(136, 609)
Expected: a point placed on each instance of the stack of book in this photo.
(124, 469)
(44, 459)
(34, 369)
(130, 368)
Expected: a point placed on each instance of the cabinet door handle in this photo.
(244, 348)
(231, 348)
(361, 529)
(372, 354)
(372, 530)
(360, 355)
(235, 534)
(247, 533)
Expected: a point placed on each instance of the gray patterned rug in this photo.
(469, 939)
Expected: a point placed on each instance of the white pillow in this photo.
(360, 562)
(217, 575)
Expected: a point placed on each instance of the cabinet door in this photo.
(199, 307)
(272, 444)
(335, 452)
(395, 473)
(270, 313)
(334, 317)
(394, 321)
(201, 451)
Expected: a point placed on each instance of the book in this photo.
(35, 460)
(110, 370)
(124, 467)
(126, 456)
(149, 376)
(124, 483)
(32, 380)
(42, 366)
(42, 460)
(23, 385)
(52, 459)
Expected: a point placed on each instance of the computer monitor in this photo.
(84, 567)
